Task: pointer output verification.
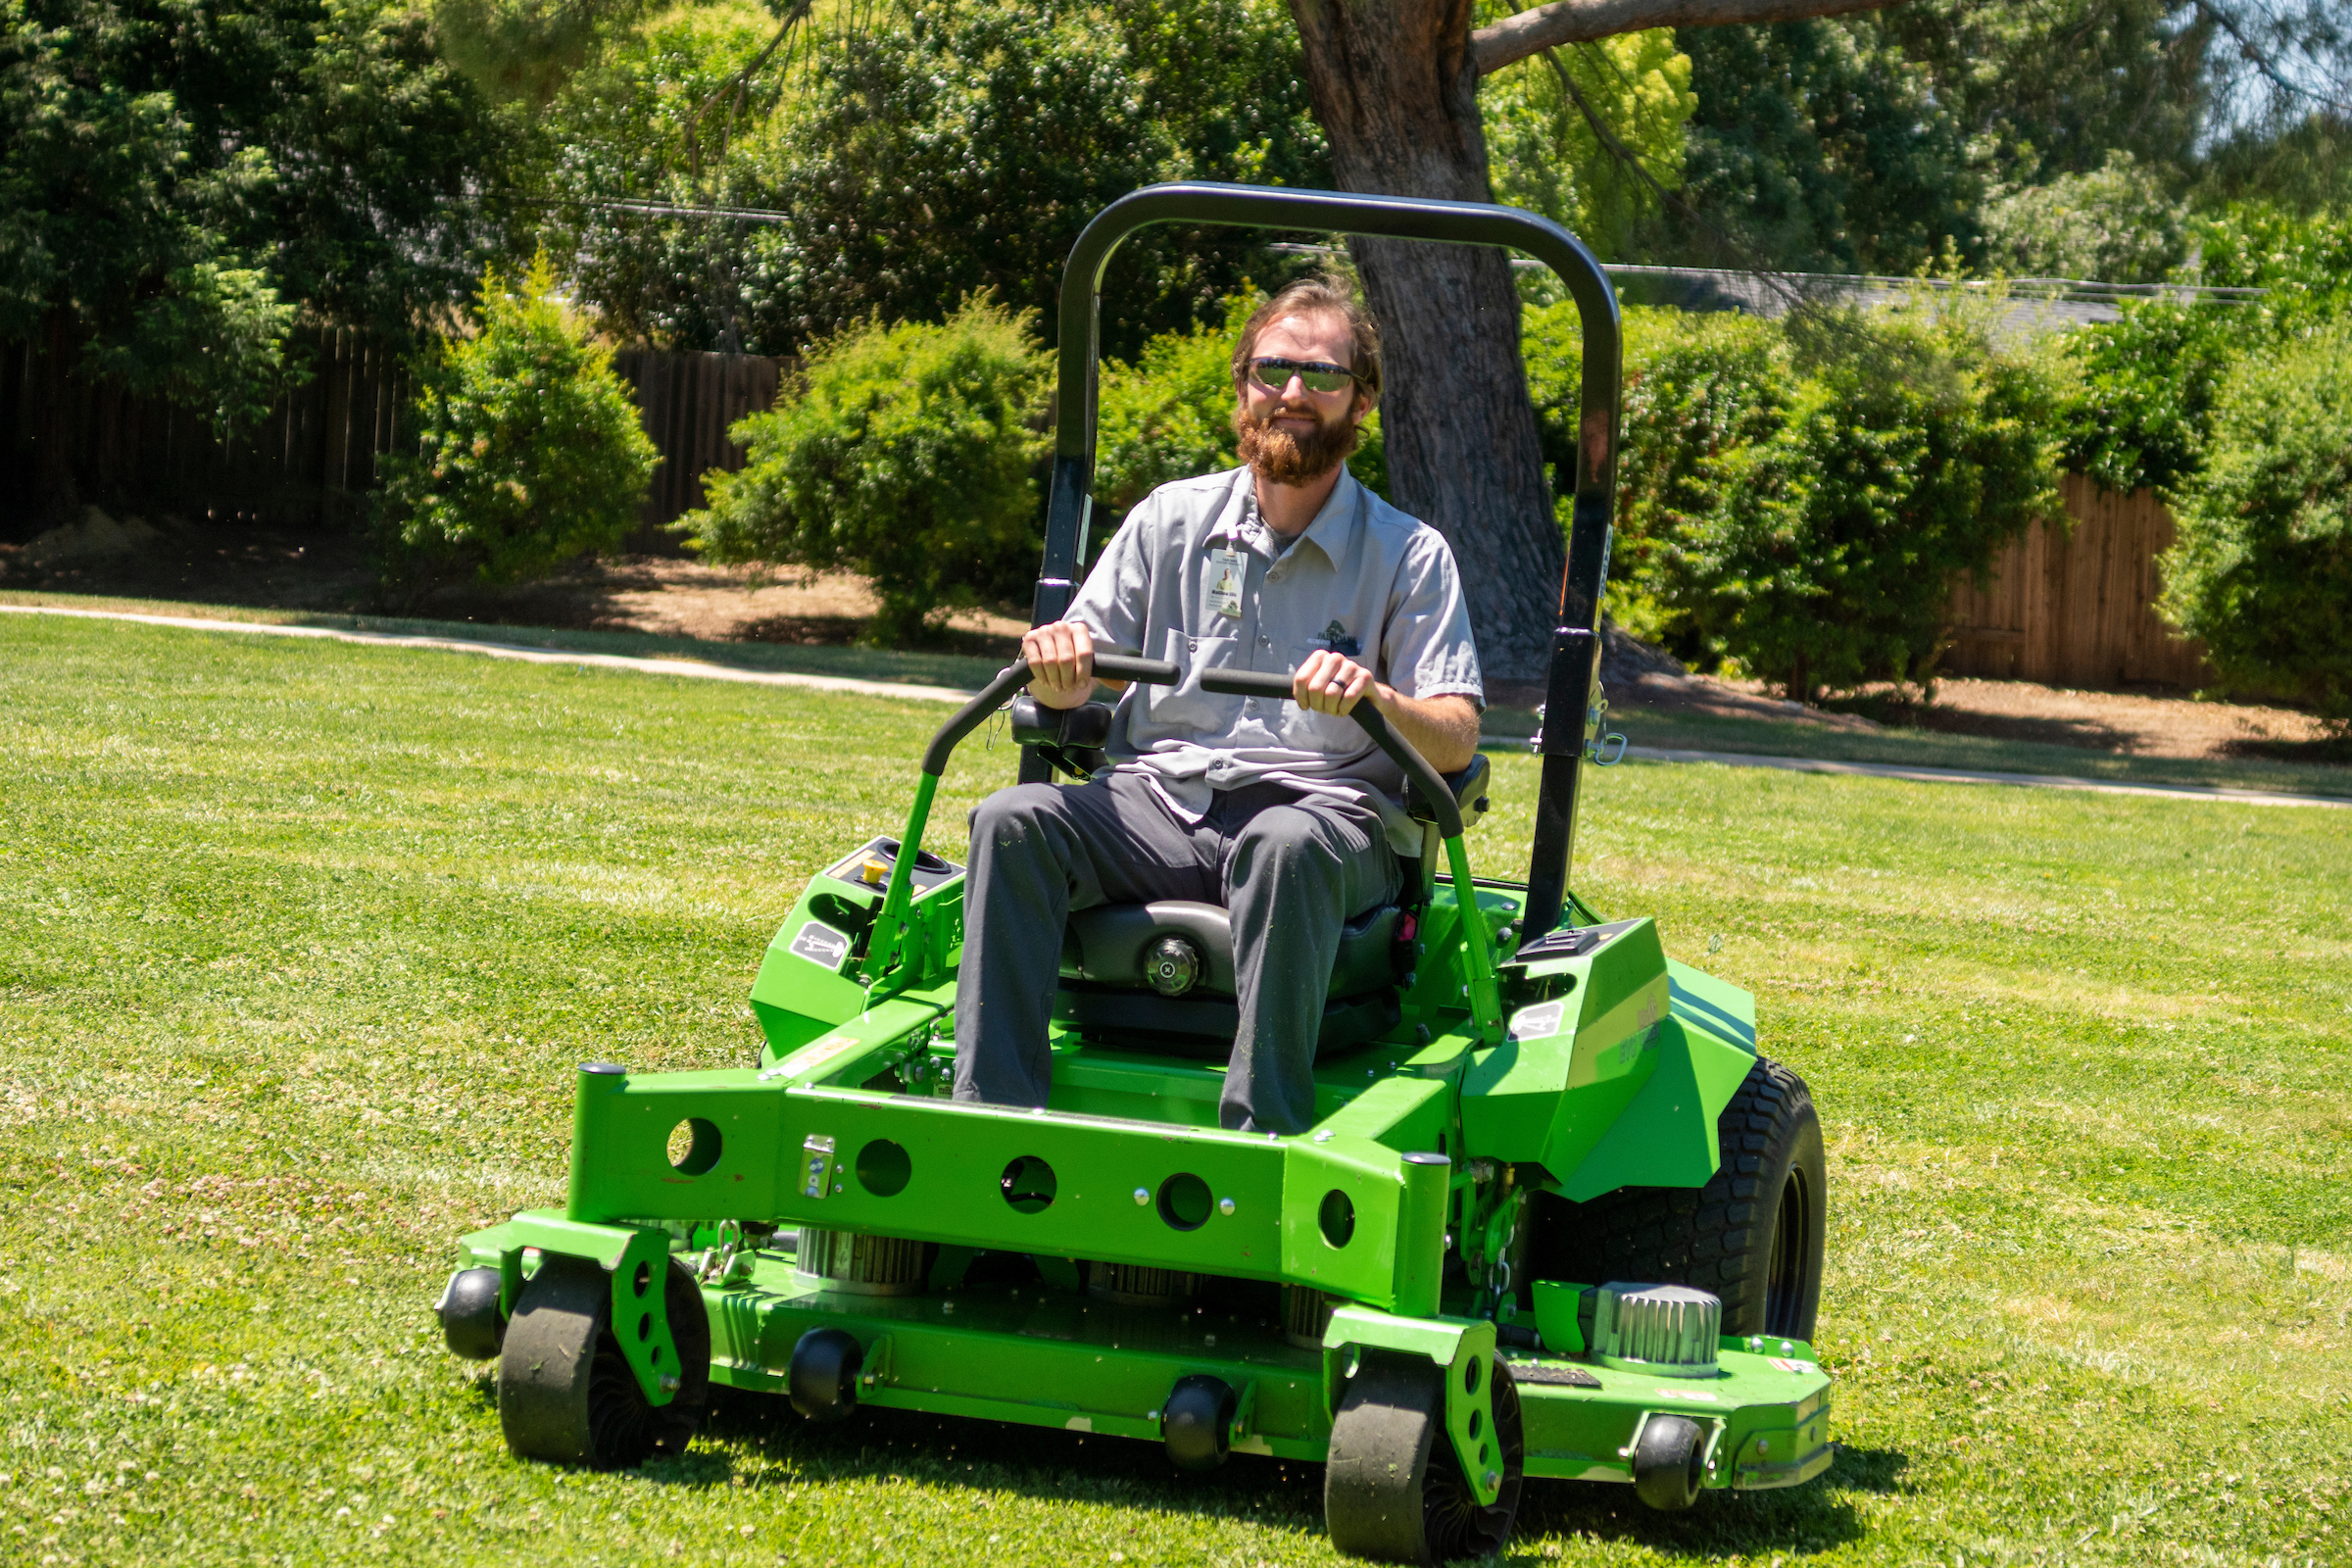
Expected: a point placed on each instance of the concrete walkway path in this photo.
(694, 667)
(700, 671)
(1956, 775)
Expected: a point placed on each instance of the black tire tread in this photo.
(1690, 1236)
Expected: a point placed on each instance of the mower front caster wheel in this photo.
(1670, 1462)
(1394, 1490)
(565, 1395)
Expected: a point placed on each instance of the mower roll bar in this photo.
(1575, 645)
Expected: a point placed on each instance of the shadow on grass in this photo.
(2075, 733)
(1812, 1518)
(2328, 748)
(1045, 1465)
(1039, 1463)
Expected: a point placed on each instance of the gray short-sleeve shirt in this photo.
(1363, 578)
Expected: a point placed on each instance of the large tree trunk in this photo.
(1396, 92)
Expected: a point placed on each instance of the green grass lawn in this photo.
(301, 942)
(1643, 726)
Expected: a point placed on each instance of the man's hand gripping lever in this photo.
(1075, 665)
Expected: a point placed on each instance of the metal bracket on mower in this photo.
(1465, 1348)
(638, 1262)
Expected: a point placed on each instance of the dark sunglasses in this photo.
(1316, 376)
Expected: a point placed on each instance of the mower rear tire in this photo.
(1394, 1490)
(564, 1392)
(1752, 1236)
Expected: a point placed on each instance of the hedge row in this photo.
(1796, 497)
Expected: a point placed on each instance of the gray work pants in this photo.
(1291, 868)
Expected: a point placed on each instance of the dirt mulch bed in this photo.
(319, 570)
(667, 595)
(2143, 722)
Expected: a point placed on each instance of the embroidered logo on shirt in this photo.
(1336, 638)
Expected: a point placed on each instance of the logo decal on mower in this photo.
(820, 945)
(1539, 1022)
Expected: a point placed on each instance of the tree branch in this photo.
(736, 84)
(1616, 148)
(1514, 38)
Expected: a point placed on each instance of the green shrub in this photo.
(1798, 497)
(2139, 412)
(1169, 416)
(528, 453)
(1700, 392)
(907, 453)
(1911, 454)
(2262, 569)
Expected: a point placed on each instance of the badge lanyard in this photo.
(1228, 571)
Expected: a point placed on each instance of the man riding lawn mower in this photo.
(1233, 1113)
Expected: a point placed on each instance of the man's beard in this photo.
(1278, 456)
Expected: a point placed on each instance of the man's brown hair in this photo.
(1316, 296)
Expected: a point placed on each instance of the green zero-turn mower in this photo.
(1556, 1217)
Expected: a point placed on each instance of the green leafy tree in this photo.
(395, 181)
(2040, 89)
(2116, 226)
(529, 450)
(1817, 145)
(176, 182)
(114, 252)
(679, 110)
(527, 49)
(1546, 156)
(908, 453)
(2262, 568)
(2304, 167)
(916, 155)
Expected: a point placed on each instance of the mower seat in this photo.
(1164, 971)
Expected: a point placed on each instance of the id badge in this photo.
(1226, 575)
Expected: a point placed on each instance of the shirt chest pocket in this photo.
(1332, 734)
(1185, 709)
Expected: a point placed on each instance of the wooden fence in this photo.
(314, 458)
(2078, 609)
(687, 401)
(311, 460)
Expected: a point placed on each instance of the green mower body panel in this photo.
(1613, 1069)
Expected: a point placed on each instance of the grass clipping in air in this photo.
(301, 944)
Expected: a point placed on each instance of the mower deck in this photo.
(1046, 1353)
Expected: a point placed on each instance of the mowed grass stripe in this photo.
(299, 946)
